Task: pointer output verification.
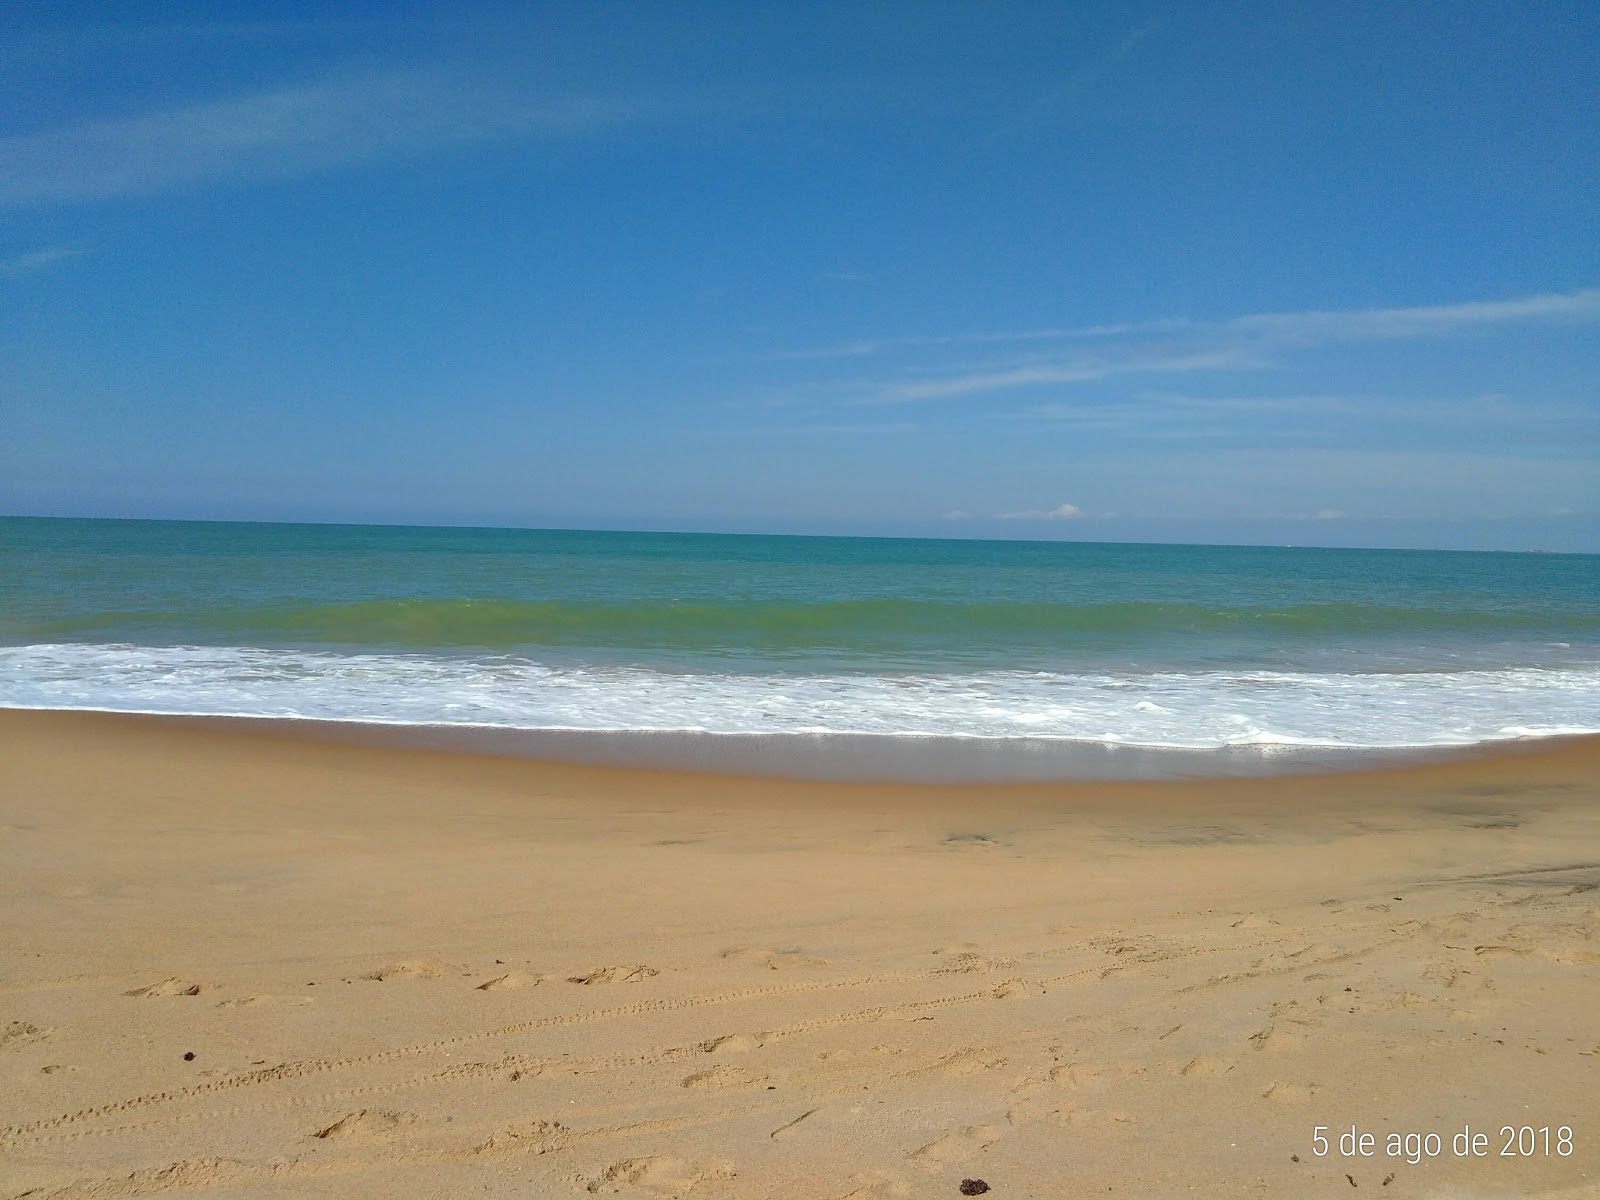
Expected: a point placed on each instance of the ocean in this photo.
(807, 655)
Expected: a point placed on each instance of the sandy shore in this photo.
(240, 964)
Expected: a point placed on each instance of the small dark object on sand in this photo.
(973, 1187)
(188, 1056)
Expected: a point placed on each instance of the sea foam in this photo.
(1194, 710)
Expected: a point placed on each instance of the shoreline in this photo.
(837, 757)
(239, 963)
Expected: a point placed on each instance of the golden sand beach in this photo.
(238, 964)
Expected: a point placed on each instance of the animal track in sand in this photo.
(1290, 1093)
(955, 1147)
(1037, 1109)
(772, 960)
(367, 1123)
(622, 974)
(879, 1185)
(511, 979)
(168, 987)
(1567, 956)
(1205, 1064)
(718, 1078)
(1491, 952)
(966, 960)
(969, 1062)
(416, 968)
(1016, 989)
(85, 1120)
(1031, 1110)
(530, 1137)
(1074, 1075)
(20, 1033)
(1273, 1038)
(256, 1000)
(980, 840)
(1452, 975)
(660, 1175)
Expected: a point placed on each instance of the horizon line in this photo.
(886, 537)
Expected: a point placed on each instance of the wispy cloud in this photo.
(285, 133)
(1090, 353)
(1083, 369)
(37, 260)
(1378, 324)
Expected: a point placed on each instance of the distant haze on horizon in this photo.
(1240, 275)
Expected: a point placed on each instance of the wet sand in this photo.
(239, 963)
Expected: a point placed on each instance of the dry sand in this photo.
(240, 964)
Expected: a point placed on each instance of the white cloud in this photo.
(283, 133)
(958, 514)
(37, 260)
(1329, 514)
(1180, 345)
(1062, 512)
(1319, 325)
(1077, 370)
(1374, 324)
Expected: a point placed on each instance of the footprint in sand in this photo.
(1205, 1064)
(633, 974)
(168, 987)
(367, 1123)
(733, 1043)
(956, 1147)
(511, 979)
(660, 1175)
(721, 1078)
(20, 1033)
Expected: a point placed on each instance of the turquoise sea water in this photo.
(1199, 647)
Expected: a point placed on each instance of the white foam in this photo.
(1193, 710)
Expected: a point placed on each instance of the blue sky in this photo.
(1313, 273)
